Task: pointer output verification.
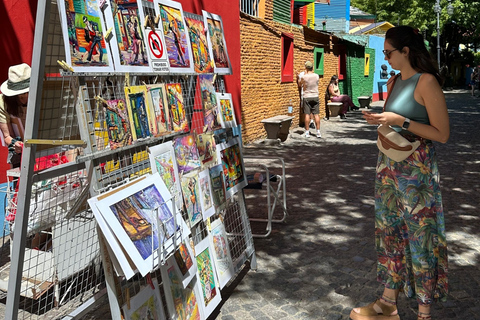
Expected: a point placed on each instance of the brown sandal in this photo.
(423, 316)
(369, 313)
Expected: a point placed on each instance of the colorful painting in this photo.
(186, 153)
(207, 149)
(129, 41)
(176, 106)
(183, 259)
(182, 302)
(217, 43)
(118, 126)
(203, 62)
(209, 101)
(136, 97)
(206, 275)
(176, 36)
(192, 197)
(147, 304)
(225, 105)
(206, 196)
(159, 117)
(218, 186)
(83, 29)
(221, 252)
(162, 160)
(230, 156)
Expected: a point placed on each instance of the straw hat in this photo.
(18, 80)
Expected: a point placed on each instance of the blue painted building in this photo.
(336, 16)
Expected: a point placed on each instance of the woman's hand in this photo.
(386, 118)
(18, 147)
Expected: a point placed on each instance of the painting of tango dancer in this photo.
(202, 59)
(217, 43)
(176, 107)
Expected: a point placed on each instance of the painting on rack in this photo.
(230, 156)
(221, 252)
(118, 126)
(202, 59)
(83, 29)
(147, 304)
(207, 149)
(218, 186)
(217, 43)
(225, 106)
(137, 111)
(178, 114)
(159, 117)
(192, 197)
(208, 209)
(186, 153)
(209, 101)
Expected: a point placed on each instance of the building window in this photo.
(287, 57)
(254, 8)
(318, 56)
(342, 62)
(366, 70)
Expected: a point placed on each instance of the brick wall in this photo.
(263, 93)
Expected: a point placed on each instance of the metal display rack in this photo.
(73, 269)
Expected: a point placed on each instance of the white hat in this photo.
(18, 80)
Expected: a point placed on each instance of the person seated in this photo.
(335, 96)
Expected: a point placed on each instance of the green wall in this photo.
(357, 83)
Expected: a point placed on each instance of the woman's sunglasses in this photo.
(387, 53)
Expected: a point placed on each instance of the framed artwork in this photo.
(207, 149)
(159, 116)
(131, 214)
(176, 36)
(217, 43)
(206, 196)
(182, 302)
(202, 60)
(147, 304)
(210, 296)
(186, 153)
(83, 29)
(136, 97)
(209, 101)
(118, 123)
(184, 254)
(162, 160)
(230, 156)
(225, 107)
(218, 186)
(192, 197)
(176, 107)
(129, 42)
(221, 252)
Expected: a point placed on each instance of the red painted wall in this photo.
(18, 23)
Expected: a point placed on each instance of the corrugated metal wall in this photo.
(281, 10)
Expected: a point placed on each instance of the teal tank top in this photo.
(402, 102)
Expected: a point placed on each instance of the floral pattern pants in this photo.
(410, 227)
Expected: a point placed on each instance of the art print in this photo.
(206, 196)
(176, 36)
(191, 197)
(209, 101)
(207, 149)
(159, 117)
(162, 160)
(129, 41)
(218, 186)
(217, 43)
(209, 285)
(191, 270)
(118, 124)
(147, 304)
(186, 153)
(225, 107)
(83, 29)
(230, 156)
(136, 97)
(202, 59)
(221, 252)
(183, 258)
(176, 106)
(133, 214)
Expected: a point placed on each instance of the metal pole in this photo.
(437, 9)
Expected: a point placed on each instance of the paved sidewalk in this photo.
(321, 262)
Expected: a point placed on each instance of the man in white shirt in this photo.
(309, 84)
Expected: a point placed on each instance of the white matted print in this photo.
(128, 41)
(131, 214)
(225, 108)
(210, 297)
(83, 27)
(230, 156)
(182, 303)
(221, 252)
(191, 196)
(206, 196)
(159, 114)
(216, 43)
(190, 273)
(176, 36)
(147, 304)
(162, 160)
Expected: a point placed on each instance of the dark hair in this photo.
(13, 107)
(333, 79)
(419, 57)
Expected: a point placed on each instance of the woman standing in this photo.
(13, 110)
(409, 221)
(335, 96)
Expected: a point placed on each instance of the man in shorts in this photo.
(309, 83)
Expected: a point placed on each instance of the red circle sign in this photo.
(155, 44)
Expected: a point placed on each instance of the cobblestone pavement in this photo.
(321, 262)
